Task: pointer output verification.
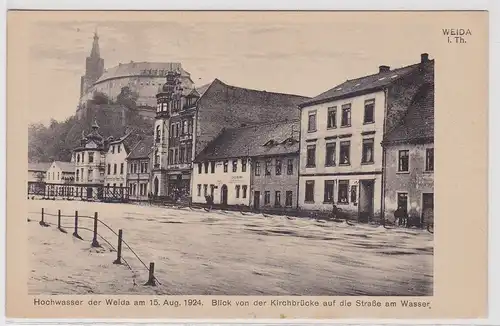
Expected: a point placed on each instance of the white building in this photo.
(341, 156)
(60, 173)
(116, 163)
(37, 171)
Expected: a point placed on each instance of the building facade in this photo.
(254, 166)
(37, 171)
(409, 163)
(139, 170)
(61, 173)
(190, 120)
(341, 156)
(116, 162)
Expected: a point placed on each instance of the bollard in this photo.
(95, 243)
(151, 281)
(59, 227)
(42, 221)
(75, 234)
(118, 260)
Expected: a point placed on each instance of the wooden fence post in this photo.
(75, 234)
(151, 280)
(95, 243)
(118, 260)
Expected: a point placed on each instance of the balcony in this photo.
(185, 137)
(162, 114)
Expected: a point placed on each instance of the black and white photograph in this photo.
(228, 158)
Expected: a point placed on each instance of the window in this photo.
(121, 168)
(369, 111)
(177, 127)
(58, 176)
(278, 166)
(244, 191)
(277, 198)
(367, 156)
(145, 165)
(257, 168)
(267, 197)
(238, 191)
(429, 159)
(403, 165)
(212, 167)
(346, 115)
(212, 189)
(189, 153)
(330, 154)
(172, 130)
(78, 158)
(91, 157)
(288, 199)
(200, 168)
(205, 190)
(343, 192)
(112, 149)
(309, 191)
(311, 156)
(206, 167)
(329, 185)
(345, 152)
(182, 154)
(225, 166)
(119, 148)
(176, 156)
(199, 190)
(289, 167)
(311, 125)
(157, 158)
(268, 167)
(114, 168)
(83, 157)
(403, 201)
(171, 156)
(243, 165)
(354, 194)
(109, 168)
(235, 165)
(332, 118)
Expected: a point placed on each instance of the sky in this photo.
(287, 53)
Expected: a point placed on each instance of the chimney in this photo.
(424, 57)
(383, 69)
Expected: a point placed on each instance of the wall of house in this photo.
(272, 183)
(82, 167)
(218, 179)
(116, 155)
(135, 180)
(415, 182)
(54, 174)
(356, 133)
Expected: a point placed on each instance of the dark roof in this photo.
(254, 141)
(363, 84)
(42, 166)
(68, 167)
(142, 149)
(418, 124)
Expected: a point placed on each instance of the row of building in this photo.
(366, 145)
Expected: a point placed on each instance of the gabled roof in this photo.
(142, 149)
(68, 167)
(203, 88)
(418, 124)
(39, 167)
(362, 84)
(251, 141)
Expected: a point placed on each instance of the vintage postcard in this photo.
(247, 164)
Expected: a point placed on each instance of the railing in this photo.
(89, 192)
(44, 222)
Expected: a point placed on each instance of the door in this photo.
(256, 200)
(366, 197)
(427, 208)
(157, 186)
(223, 194)
(89, 192)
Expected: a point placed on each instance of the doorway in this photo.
(256, 200)
(427, 208)
(366, 197)
(223, 194)
(157, 186)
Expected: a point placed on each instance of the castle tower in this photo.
(165, 97)
(94, 67)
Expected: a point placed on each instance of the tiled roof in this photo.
(66, 166)
(254, 141)
(137, 68)
(371, 82)
(43, 166)
(142, 149)
(418, 123)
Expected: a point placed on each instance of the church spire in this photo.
(95, 53)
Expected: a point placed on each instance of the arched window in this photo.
(157, 157)
(158, 134)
